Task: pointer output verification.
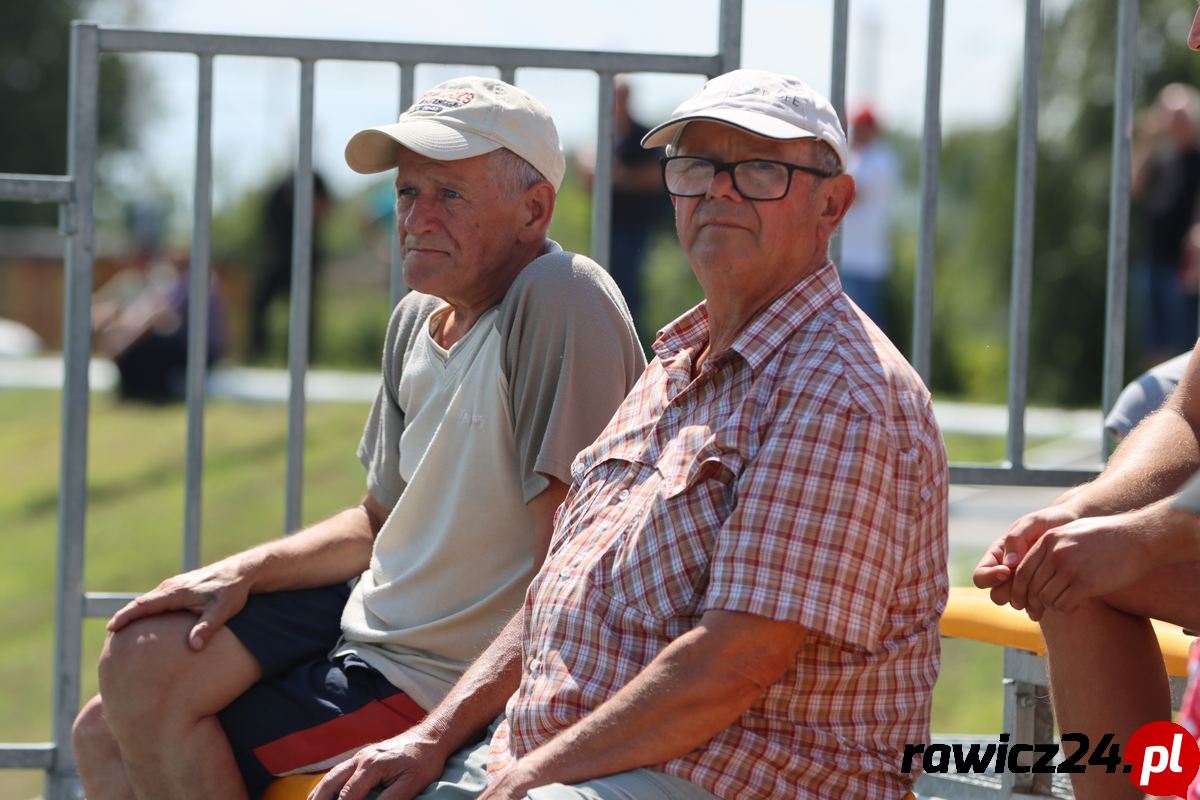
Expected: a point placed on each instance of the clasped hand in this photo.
(1054, 559)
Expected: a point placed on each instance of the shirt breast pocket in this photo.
(662, 564)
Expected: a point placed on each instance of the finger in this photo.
(333, 781)
(1052, 592)
(1026, 570)
(1002, 595)
(1043, 575)
(145, 606)
(360, 783)
(1069, 600)
(1016, 546)
(212, 620)
(992, 577)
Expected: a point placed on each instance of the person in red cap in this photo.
(744, 582)
(506, 359)
(866, 258)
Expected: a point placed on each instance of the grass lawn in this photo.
(135, 518)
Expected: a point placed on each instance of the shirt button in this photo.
(564, 573)
(624, 495)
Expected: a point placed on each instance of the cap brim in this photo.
(749, 121)
(374, 149)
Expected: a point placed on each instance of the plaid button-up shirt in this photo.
(800, 477)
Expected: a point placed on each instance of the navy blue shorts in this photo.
(308, 711)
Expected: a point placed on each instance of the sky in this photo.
(256, 100)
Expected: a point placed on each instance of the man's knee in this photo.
(146, 659)
(90, 733)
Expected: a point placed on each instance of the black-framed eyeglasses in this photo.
(756, 179)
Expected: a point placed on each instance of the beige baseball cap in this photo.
(764, 103)
(463, 118)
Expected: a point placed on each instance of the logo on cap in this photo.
(436, 102)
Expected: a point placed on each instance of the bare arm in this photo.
(409, 762)
(697, 686)
(334, 550)
(1150, 464)
(1155, 459)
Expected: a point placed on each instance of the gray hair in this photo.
(515, 173)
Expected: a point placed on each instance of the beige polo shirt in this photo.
(460, 440)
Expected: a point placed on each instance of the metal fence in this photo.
(75, 191)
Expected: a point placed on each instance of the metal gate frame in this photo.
(75, 192)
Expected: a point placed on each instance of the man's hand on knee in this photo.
(1097, 556)
(214, 593)
(405, 764)
(996, 569)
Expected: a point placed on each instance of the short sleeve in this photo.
(812, 537)
(379, 448)
(570, 357)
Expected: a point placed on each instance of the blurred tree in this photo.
(34, 73)
(975, 213)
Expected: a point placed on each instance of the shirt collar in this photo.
(769, 329)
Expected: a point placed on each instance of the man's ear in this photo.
(537, 207)
(839, 196)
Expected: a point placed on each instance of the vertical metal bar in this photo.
(837, 87)
(931, 154)
(399, 288)
(837, 71)
(729, 36)
(602, 183)
(77, 343)
(298, 337)
(198, 276)
(1118, 211)
(1022, 264)
(509, 75)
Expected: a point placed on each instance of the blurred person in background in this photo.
(866, 259)
(140, 316)
(1166, 179)
(274, 278)
(640, 207)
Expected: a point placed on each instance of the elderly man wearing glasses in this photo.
(744, 582)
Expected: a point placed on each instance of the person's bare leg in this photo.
(1106, 669)
(160, 700)
(98, 757)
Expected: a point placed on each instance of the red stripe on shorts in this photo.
(377, 720)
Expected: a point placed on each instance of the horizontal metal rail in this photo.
(105, 604)
(131, 40)
(38, 755)
(36, 188)
(1018, 476)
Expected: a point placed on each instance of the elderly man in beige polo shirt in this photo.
(508, 357)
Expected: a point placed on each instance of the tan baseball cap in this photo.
(766, 104)
(463, 118)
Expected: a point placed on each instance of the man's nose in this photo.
(421, 216)
(1194, 34)
(722, 186)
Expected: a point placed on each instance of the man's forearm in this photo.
(689, 693)
(333, 550)
(479, 696)
(1151, 463)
